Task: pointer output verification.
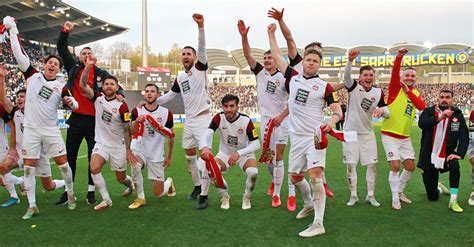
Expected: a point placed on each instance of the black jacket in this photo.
(73, 66)
(457, 140)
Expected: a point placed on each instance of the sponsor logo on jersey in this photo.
(271, 87)
(45, 93)
(301, 96)
(232, 140)
(107, 116)
(185, 86)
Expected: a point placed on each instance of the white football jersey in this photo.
(43, 98)
(18, 119)
(235, 135)
(109, 118)
(192, 87)
(360, 107)
(152, 143)
(306, 101)
(272, 95)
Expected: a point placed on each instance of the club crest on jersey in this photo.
(99, 78)
(372, 99)
(114, 110)
(55, 89)
(455, 119)
(241, 131)
(315, 87)
(277, 82)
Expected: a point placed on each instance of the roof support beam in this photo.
(47, 24)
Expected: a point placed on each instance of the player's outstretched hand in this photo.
(12, 152)
(404, 87)
(131, 157)
(205, 152)
(91, 60)
(453, 157)
(271, 28)
(353, 53)
(377, 113)
(326, 127)
(233, 158)
(121, 98)
(68, 26)
(275, 14)
(402, 52)
(243, 30)
(167, 163)
(199, 19)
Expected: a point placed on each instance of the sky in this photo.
(337, 22)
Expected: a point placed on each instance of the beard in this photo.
(443, 106)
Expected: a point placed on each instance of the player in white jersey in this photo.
(15, 161)
(112, 134)
(272, 100)
(7, 179)
(192, 85)
(151, 147)
(308, 95)
(237, 145)
(365, 102)
(296, 61)
(43, 96)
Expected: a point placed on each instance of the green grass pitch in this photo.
(176, 222)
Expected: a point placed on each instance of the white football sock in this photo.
(66, 173)
(252, 173)
(305, 191)
(100, 184)
(138, 178)
(371, 176)
(319, 200)
(351, 173)
(193, 170)
(205, 183)
(10, 181)
(58, 183)
(291, 186)
(404, 178)
(30, 185)
(394, 182)
(278, 177)
(166, 187)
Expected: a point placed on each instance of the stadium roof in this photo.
(236, 58)
(41, 21)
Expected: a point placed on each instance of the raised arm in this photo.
(18, 52)
(243, 30)
(348, 80)
(202, 54)
(62, 45)
(275, 50)
(290, 42)
(85, 77)
(170, 94)
(7, 104)
(394, 85)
